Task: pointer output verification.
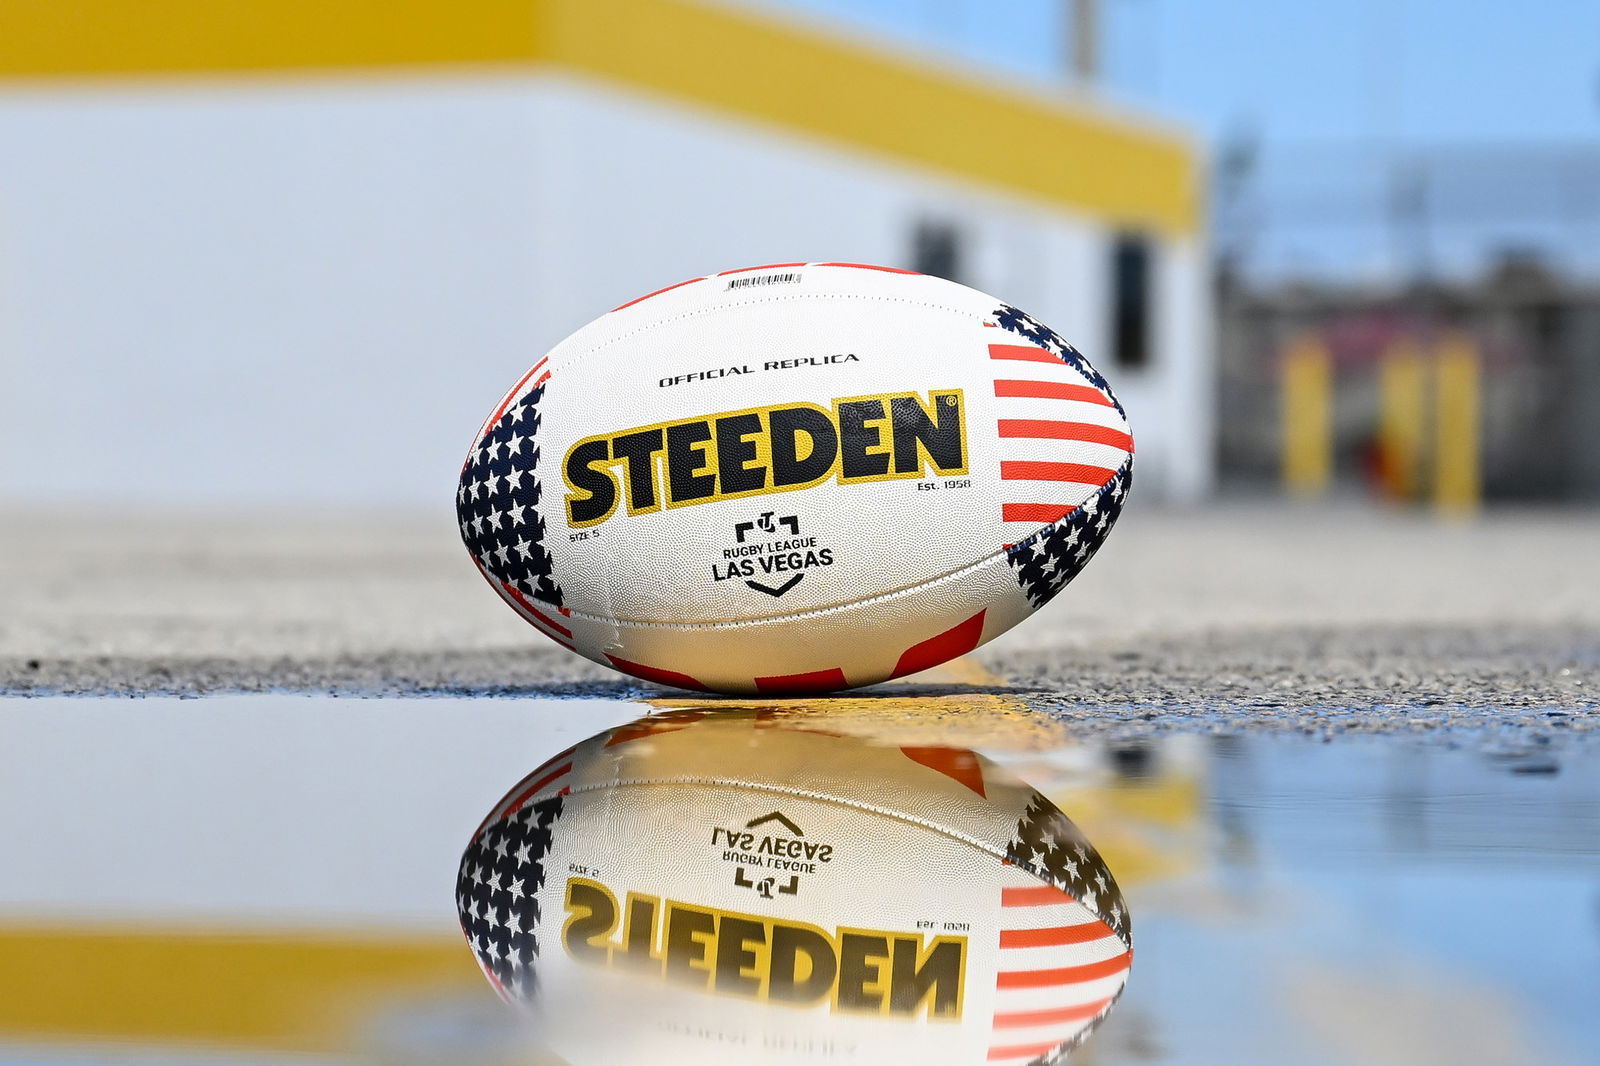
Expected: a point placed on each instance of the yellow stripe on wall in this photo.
(281, 991)
(98, 37)
(753, 67)
(821, 85)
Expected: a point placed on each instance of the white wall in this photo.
(644, 194)
(313, 291)
(259, 292)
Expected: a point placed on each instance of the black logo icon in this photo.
(769, 523)
(780, 590)
(775, 816)
(764, 886)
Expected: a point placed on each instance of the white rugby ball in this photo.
(794, 478)
(727, 887)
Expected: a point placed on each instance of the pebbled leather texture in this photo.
(786, 478)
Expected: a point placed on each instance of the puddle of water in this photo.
(275, 878)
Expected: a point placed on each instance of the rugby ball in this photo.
(794, 478)
(710, 887)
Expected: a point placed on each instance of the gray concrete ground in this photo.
(1329, 617)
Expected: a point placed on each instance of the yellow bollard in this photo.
(1307, 411)
(1402, 418)
(1457, 487)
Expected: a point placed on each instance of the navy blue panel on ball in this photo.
(497, 503)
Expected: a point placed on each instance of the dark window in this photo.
(1130, 300)
(936, 250)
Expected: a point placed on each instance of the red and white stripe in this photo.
(1060, 969)
(1061, 438)
(542, 618)
(550, 778)
(516, 392)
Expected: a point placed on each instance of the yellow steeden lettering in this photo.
(755, 956)
(765, 450)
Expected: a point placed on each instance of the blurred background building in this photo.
(272, 251)
(262, 253)
(1429, 312)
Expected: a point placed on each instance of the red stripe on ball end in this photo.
(656, 674)
(1050, 390)
(1059, 936)
(1037, 470)
(816, 681)
(1033, 1019)
(958, 764)
(1024, 352)
(955, 641)
(1064, 975)
(763, 266)
(1042, 513)
(533, 789)
(1031, 1052)
(1047, 429)
(1034, 896)
(869, 266)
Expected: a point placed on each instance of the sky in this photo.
(1368, 70)
(1343, 104)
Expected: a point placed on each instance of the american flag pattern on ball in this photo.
(1050, 558)
(498, 508)
(1050, 847)
(501, 874)
(795, 478)
(662, 864)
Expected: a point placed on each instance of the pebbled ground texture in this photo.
(1328, 619)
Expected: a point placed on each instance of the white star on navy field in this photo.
(497, 503)
(1050, 847)
(1050, 558)
(500, 873)
(1046, 561)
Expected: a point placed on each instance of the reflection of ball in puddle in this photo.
(711, 886)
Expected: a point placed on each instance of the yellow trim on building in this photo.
(50, 38)
(755, 67)
(772, 72)
(280, 991)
